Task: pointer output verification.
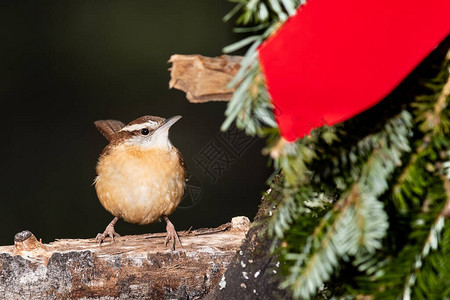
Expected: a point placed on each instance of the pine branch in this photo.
(358, 222)
(410, 186)
(343, 186)
(422, 185)
(431, 244)
(431, 113)
(250, 105)
(436, 119)
(311, 270)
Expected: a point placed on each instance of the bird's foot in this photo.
(109, 231)
(172, 235)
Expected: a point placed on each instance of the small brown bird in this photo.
(140, 175)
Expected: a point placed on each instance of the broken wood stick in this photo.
(136, 266)
(204, 78)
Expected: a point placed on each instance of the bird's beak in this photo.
(168, 123)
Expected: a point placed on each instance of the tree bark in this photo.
(204, 78)
(132, 267)
(254, 272)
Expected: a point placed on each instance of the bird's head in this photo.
(148, 132)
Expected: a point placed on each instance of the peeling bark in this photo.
(131, 267)
(204, 78)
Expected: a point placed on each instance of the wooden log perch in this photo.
(132, 267)
(204, 78)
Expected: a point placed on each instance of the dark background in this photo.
(66, 64)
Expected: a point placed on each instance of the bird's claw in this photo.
(172, 236)
(109, 231)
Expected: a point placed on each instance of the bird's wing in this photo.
(182, 163)
(109, 127)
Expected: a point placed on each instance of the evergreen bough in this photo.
(362, 208)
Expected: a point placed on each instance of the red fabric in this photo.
(334, 59)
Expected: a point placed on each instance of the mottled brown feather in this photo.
(109, 127)
(182, 163)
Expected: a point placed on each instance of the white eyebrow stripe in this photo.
(134, 127)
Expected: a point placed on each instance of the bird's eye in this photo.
(145, 131)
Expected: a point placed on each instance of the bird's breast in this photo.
(140, 186)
